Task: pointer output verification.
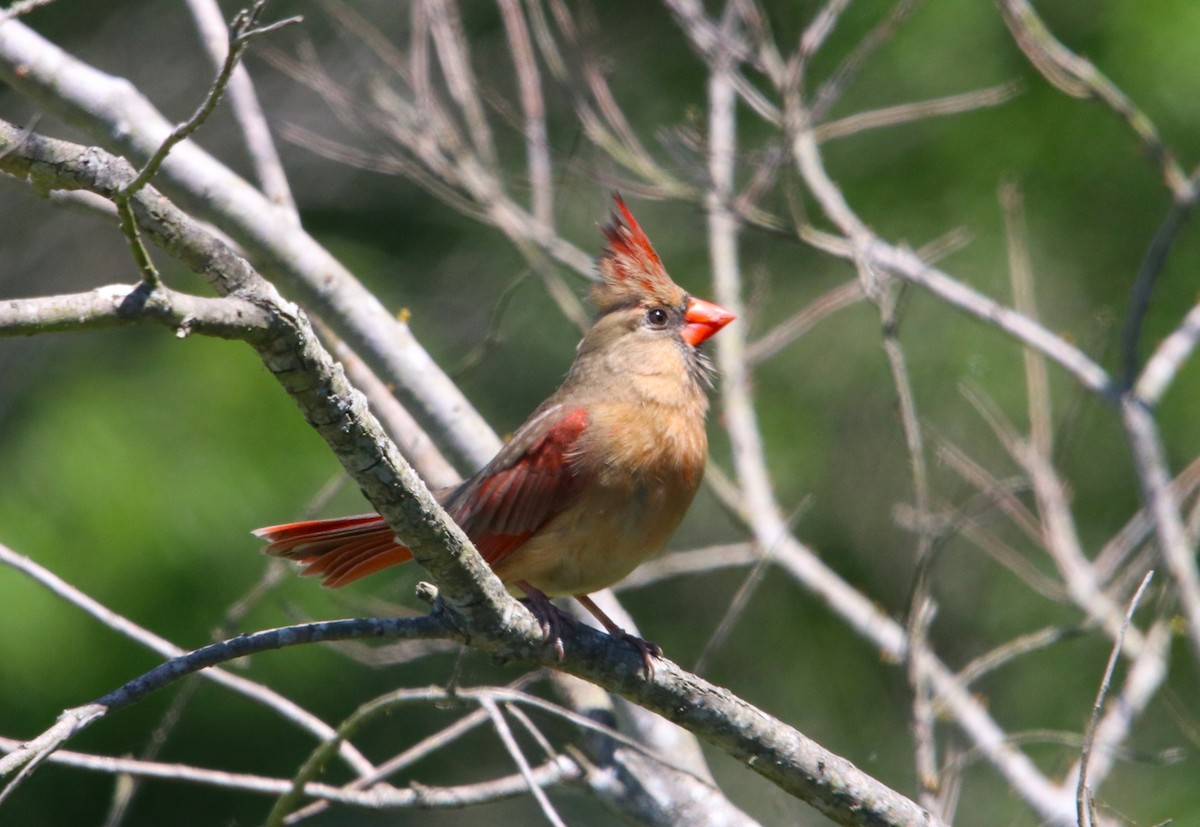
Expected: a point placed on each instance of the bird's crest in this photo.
(630, 270)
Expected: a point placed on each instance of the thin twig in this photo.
(21, 7)
(445, 26)
(244, 29)
(426, 746)
(1176, 549)
(602, 117)
(673, 564)
(537, 143)
(921, 606)
(804, 320)
(1007, 652)
(534, 732)
(917, 111)
(1135, 531)
(379, 797)
(737, 605)
(841, 78)
(514, 751)
(1000, 493)
(73, 721)
(125, 792)
(410, 437)
(1060, 535)
(1037, 386)
(903, 263)
(1143, 286)
(815, 34)
(1172, 352)
(1143, 681)
(247, 111)
(1079, 77)
(1083, 794)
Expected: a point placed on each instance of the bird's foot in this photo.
(645, 648)
(549, 617)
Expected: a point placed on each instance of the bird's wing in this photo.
(533, 479)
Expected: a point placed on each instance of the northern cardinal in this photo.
(600, 475)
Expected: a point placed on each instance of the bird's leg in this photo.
(647, 649)
(549, 616)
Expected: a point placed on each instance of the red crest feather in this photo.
(630, 269)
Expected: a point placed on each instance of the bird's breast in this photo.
(641, 472)
(630, 444)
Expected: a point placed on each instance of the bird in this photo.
(600, 475)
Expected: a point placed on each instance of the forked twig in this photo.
(514, 750)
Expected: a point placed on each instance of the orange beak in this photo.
(703, 320)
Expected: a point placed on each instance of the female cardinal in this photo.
(599, 476)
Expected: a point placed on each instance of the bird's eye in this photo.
(656, 317)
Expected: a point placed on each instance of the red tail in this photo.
(341, 550)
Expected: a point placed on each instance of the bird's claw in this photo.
(550, 618)
(645, 648)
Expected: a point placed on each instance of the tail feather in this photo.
(341, 550)
(357, 559)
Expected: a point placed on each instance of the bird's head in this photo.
(635, 288)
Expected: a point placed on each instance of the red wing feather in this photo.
(495, 547)
(529, 482)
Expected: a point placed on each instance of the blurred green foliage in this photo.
(134, 464)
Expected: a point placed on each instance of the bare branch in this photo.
(451, 52)
(909, 267)
(74, 721)
(379, 797)
(1005, 653)
(21, 7)
(514, 750)
(1143, 681)
(1079, 77)
(837, 83)
(1084, 803)
(1021, 276)
(537, 143)
(410, 438)
(113, 111)
(245, 27)
(681, 563)
(1172, 352)
(1175, 547)
(118, 305)
(243, 100)
(821, 308)
(256, 692)
(921, 110)
(814, 35)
